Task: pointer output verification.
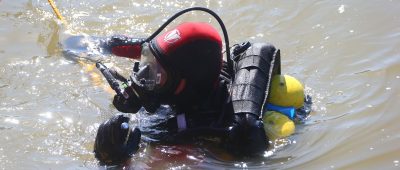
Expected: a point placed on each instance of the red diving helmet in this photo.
(183, 63)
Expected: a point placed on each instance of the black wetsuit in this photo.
(208, 118)
(232, 112)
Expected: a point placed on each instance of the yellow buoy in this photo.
(286, 91)
(277, 125)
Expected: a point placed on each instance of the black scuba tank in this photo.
(255, 64)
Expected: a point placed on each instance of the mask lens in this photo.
(150, 74)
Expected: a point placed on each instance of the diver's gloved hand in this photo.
(116, 140)
(247, 136)
(130, 105)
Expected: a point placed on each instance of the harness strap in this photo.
(181, 121)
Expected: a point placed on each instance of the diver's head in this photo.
(184, 62)
(116, 141)
(179, 67)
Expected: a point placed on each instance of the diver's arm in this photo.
(124, 46)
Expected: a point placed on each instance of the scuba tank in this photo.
(255, 64)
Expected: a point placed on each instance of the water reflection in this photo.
(346, 53)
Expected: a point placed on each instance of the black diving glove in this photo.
(130, 105)
(246, 136)
(133, 103)
(116, 140)
(126, 99)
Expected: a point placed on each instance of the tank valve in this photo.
(241, 48)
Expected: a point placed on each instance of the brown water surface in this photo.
(345, 52)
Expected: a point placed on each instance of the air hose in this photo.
(212, 13)
(173, 17)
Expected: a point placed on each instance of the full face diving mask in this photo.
(148, 73)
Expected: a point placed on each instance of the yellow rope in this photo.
(56, 11)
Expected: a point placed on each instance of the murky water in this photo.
(345, 52)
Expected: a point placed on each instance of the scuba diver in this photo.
(182, 72)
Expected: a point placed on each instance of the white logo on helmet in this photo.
(172, 36)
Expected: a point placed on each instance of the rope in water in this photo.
(88, 67)
(56, 11)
